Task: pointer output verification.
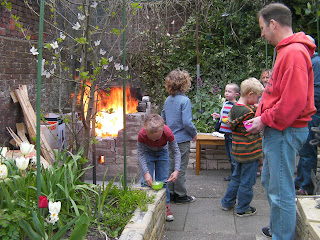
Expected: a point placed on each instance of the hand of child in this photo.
(173, 177)
(194, 138)
(148, 179)
(215, 115)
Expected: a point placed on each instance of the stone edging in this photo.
(148, 225)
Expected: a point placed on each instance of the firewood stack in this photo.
(21, 95)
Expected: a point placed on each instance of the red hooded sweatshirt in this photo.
(288, 97)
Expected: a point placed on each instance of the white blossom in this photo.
(118, 66)
(22, 163)
(26, 148)
(94, 4)
(62, 36)
(110, 59)
(102, 52)
(105, 66)
(168, 34)
(81, 17)
(126, 68)
(54, 45)
(97, 43)
(54, 207)
(3, 171)
(76, 26)
(34, 51)
(172, 22)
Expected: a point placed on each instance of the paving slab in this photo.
(205, 220)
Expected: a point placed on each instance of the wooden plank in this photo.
(308, 210)
(30, 117)
(21, 130)
(14, 97)
(14, 136)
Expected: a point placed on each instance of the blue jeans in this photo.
(308, 159)
(228, 145)
(280, 149)
(242, 180)
(158, 166)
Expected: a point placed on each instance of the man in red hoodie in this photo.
(286, 107)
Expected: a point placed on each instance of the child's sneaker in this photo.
(266, 232)
(184, 199)
(250, 212)
(169, 217)
(227, 208)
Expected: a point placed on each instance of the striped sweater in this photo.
(246, 147)
(224, 127)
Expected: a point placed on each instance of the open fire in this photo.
(109, 119)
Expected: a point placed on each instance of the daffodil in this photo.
(22, 163)
(26, 148)
(3, 171)
(54, 209)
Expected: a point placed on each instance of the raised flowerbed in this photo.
(308, 218)
(148, 225)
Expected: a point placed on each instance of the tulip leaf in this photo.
(29, 231)
(80, 228)
(37, 225)
(63, 230)
(7, 196)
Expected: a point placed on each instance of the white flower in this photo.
(172, 22)
(53, 218)
(105, 66)
(126, 68)
(102, 52)
(110, 59)
(94, 4)
(34, 51)
(168, 34)
(62, 36)
(3, 171)
(22, 163)
(4, 151)
(48, 74)
(118, 66)
(76, 26)
(97, 43)
(54, 45)
(80, 59)
(147, 16)
(54, 207)
(81, 16)
(26, 148)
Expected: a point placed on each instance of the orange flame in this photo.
(109, 119)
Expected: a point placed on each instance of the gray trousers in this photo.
(179, 186)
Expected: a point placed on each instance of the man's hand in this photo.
(148, 179)
(173, 177)
(257, 125)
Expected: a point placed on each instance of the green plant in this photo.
(9, 224)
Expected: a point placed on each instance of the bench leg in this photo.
(198, 157)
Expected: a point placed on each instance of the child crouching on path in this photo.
(246, 149)
(153, 141)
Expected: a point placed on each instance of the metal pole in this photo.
(124, 22)
(197, 52)
(317, 15)
(40, 45)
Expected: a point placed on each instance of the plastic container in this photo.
(157, 185)
(247, 126)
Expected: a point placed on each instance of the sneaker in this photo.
(227, 178)
(266, 232)
(250, 212)
(169, 217)
(301, 192)
(227, 208)
(184, 199)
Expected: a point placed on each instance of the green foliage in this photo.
(9, 224)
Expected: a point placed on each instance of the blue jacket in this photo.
(177, 116)
(316, 73)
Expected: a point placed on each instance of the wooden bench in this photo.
(205, 139)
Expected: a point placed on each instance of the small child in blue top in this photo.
(231, 93)
(177, 115)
